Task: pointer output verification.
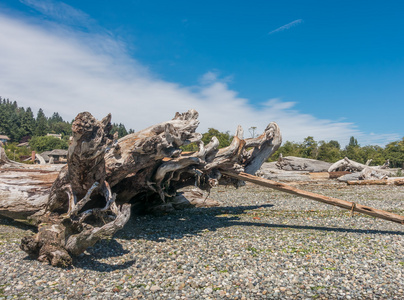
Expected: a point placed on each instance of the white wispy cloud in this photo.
(66, 71)
(287, 26)
(62, 12)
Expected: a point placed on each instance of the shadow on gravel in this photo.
(7, 221)
(89, 263)
(197, 220)
(183, 223)
(101, 250)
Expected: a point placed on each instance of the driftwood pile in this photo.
(292, 168)
(92, 197)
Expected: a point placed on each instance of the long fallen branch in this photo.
(387, 181)
(378, 213)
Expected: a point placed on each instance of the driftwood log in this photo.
(386, 181)
(292, 163)
(90, 198)
(361, 171)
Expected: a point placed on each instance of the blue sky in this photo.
(328, 69)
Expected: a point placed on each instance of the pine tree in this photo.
(41, 124)
(28, 122)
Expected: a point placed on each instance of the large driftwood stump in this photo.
(91, 197)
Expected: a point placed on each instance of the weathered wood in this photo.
(337, 174)
(386, 181)
(24, 188)
(91, 197)
(366, 172)
(64, 225)
(292, 163)
(324, 199)
(268, 172)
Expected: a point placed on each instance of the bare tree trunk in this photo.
(91, 197)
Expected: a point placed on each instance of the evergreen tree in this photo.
(41, 124)
(28, 122)
(353, 151)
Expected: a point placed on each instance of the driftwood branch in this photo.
(386, 181)
(324, 199)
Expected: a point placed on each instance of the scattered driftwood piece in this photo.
(193, 198)
(365, 172)
(319, 176)
(292, 163)
(338, 174)
(324, 199)
(349, 177)
(346, 164)
(90, 198)
(386, 181)
(268, 172)
(24, 188)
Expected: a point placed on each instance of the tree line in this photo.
(20, 125)
(326, 151)
(332, 151)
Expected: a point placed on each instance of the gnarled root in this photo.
(55, 243)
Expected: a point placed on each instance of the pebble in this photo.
(259, 244)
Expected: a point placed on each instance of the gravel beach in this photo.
(259, 244)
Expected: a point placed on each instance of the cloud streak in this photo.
(65, 71)
(286, 27)
(61, 12)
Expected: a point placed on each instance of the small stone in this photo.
(155, 288)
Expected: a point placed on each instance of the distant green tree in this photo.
(353, 142)
(47, 143)
(57, 125)
(5, 117)
(224, 139)
(395, 153)
(28, 122)
(41, 124)
(120, 129)
(353, 151)
(56, 118)
(329, 152)
(310, 148)
(287, 149)
(17, 153)
(63, 128)
(375, 153)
